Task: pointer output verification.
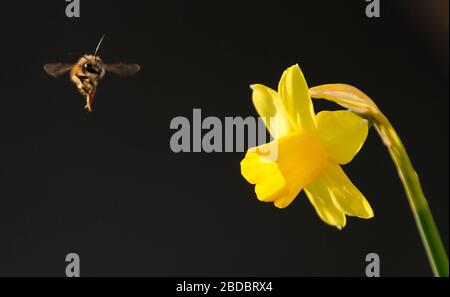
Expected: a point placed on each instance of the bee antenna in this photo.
(98, 45)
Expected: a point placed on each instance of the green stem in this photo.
(419, 206)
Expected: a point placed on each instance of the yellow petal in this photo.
(271, 188)
(294, 94)
(300, 159)
(345, 195)
(287, 197)
(254, 169)
(321, 199)
(265, 174)
(269, 107)
(343, 134)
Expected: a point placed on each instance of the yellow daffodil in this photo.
(310, 150)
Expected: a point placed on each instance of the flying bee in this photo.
(88, 70)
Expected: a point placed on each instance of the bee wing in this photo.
(122, 68)
(57, 69)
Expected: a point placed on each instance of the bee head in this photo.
(92, 64)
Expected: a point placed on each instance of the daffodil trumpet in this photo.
(355, 100)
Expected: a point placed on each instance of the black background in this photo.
(107, 186)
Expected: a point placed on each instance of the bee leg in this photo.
(88, 103)
(89, 99)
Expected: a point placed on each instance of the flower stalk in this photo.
(355, 100)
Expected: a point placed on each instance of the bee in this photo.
(87, 72)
